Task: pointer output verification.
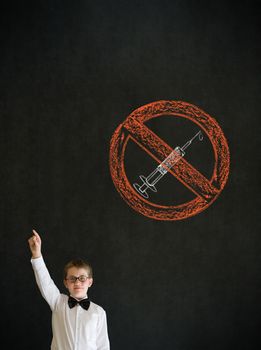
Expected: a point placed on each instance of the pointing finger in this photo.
(36, 234)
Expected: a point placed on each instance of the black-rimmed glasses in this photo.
(81, 278)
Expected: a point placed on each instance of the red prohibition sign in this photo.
(206, 190)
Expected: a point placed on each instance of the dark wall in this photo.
(71, 72)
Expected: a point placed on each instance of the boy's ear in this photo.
(65, 284)
(90, 282)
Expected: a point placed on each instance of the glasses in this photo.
(73, 279)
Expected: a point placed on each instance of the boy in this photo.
(77, 323)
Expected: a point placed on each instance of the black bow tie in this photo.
(85, 303)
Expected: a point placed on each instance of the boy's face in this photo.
(78, 287)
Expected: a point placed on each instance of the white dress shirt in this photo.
(76, 328)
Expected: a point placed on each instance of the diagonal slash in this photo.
(159, 150)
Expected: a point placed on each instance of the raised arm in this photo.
(44, 281)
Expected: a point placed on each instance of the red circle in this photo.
(134, 128)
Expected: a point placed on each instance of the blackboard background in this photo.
(70, 73)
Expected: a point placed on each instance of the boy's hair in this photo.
(79, 263)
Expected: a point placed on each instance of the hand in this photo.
(35, 244)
